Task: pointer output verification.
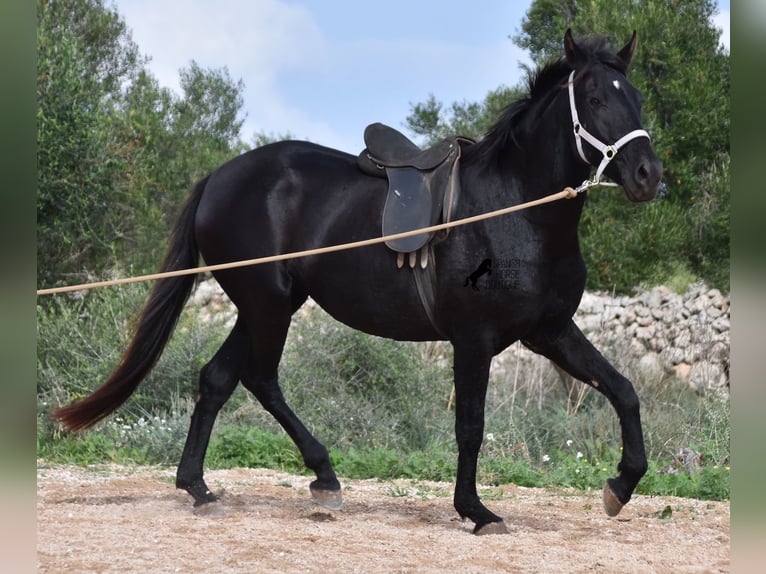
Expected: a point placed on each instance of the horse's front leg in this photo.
(471, 378)
(572, 351)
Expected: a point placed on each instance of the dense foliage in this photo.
(683, 74)
(116, 152)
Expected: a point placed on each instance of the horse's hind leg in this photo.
(262, 380)
(217, 381)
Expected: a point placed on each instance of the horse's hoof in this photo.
(612, 504)
(330, 499)
(492, 528)
(209, 509)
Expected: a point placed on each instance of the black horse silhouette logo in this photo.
(485, 268)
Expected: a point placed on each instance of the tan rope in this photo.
(566, 193)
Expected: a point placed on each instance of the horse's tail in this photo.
(154, 327)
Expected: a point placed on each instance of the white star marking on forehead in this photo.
(616, 85)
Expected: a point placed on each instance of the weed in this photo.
(397, 491)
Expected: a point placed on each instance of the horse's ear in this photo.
(571, 49)
(626, 54)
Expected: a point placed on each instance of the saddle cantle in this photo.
(423, 184)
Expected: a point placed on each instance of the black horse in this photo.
(292, 196)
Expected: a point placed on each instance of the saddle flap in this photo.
(408, 207)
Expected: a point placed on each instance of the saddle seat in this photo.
(423, 184)
(388, 147)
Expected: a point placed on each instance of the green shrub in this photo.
(238, 446)
(626, 244)
(664, 242)
(708, 246)
(79, 341)
(353, 389)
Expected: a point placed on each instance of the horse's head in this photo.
(606, 113)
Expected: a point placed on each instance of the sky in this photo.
(324, 70)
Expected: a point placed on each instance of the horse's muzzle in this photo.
(644, 180)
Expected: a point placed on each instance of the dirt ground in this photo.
(118, 519)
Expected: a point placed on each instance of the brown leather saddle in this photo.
(423, 186)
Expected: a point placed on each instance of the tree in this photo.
(469, 119)
(116, 152)
(680, 69)
(207, 116)
(83, 57)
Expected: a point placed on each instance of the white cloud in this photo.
(298, 79)
(721, 20)
(256, 40)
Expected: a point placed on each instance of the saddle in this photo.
(423, 186)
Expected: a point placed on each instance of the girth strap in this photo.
(425, 279)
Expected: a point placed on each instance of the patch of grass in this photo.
(397, 491)
(151, 439)
(433, 463)
(708, 483)
(80, 340)
(237, 446)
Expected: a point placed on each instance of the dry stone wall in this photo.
(686, 335)
(653, 334)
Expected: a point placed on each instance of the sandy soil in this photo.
(117, 519)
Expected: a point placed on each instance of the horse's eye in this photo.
(595, 102)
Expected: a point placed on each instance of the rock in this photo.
(645, 332)
(650, 366)
(682, 371)
(721, 324)
(705, 375)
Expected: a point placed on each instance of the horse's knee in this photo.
(624, 397)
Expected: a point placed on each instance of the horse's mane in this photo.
(542, 84)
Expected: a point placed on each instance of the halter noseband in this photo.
(609, 151)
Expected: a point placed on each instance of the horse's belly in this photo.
(383, 304)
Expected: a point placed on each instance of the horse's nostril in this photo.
(648, 173)
(642, 172)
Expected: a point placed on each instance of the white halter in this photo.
(609, 151)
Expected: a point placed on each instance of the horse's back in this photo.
(264, 201)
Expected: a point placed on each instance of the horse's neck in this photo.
(550, 163)
(527, 173)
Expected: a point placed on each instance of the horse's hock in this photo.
(665, 334)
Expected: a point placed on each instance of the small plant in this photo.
(397, 491)
(236, 446)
